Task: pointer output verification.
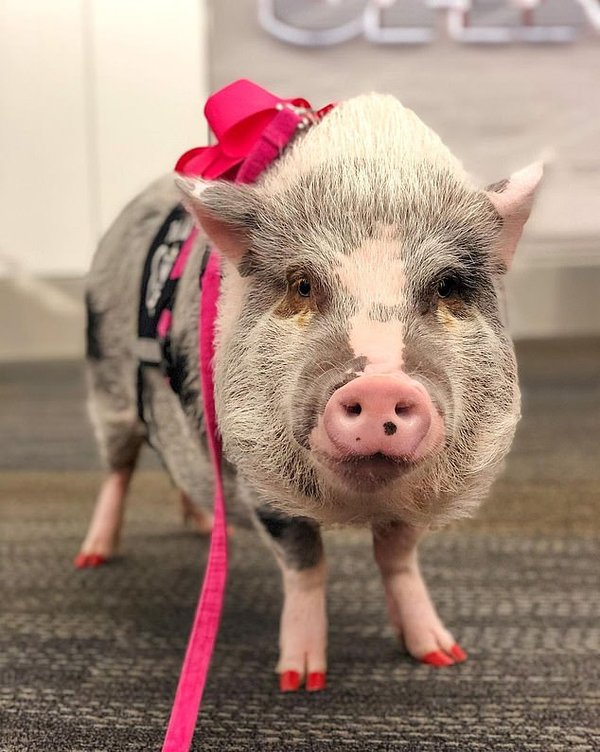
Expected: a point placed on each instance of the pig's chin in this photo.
(367, 473)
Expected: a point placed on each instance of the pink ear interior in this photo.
(228, 235)
(231, 239)
(513, 200)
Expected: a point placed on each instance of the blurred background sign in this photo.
(315, 23)
(99, 97)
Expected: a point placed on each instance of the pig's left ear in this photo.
(513, 199)
(224, 211)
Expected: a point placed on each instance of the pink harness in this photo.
(252, 127)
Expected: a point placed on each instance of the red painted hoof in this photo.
(437, 658)
(88, 561)
(289, 681)
(316, 681)
(458, 653)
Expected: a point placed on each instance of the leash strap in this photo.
(253, 127)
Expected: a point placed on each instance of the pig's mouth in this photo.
(367, 473)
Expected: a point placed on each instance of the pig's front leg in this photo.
(410, 607)
(303, 627)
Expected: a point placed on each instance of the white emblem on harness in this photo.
(163, 260)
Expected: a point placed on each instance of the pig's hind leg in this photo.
(411, 610)
(303, 627)
(120, 434)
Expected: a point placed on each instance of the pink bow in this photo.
(238, 115)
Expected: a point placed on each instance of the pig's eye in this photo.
(303, 287)
(447, 287)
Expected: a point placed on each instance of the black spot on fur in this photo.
(390, 428)
(298, 537)
(94, 319)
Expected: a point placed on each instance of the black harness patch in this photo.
(158, 294)
(158, 289)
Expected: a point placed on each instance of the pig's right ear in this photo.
(224, 211)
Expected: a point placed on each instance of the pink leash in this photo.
(253, 127)
(205, 626)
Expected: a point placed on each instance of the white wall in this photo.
(97, 98)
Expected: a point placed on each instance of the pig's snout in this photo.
(389, 415)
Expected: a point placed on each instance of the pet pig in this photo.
(364, 374)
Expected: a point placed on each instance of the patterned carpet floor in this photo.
(89, 660)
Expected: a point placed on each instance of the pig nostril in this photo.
(400, 409)
(354, 409)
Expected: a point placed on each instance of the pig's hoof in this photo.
(194, 515)
(89, 561)
(427, 640)
(458, 653)
(440, 659)
(201, 520)
(418, 625)
(316, 681)
(289, 681)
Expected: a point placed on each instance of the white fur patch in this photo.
(381, 343)
(374, 274)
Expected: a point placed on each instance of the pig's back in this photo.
(114, 281)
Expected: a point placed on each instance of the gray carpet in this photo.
(89, 660)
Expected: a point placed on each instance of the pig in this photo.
(364, 374)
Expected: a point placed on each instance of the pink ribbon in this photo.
(252, 126)
(238, 115)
